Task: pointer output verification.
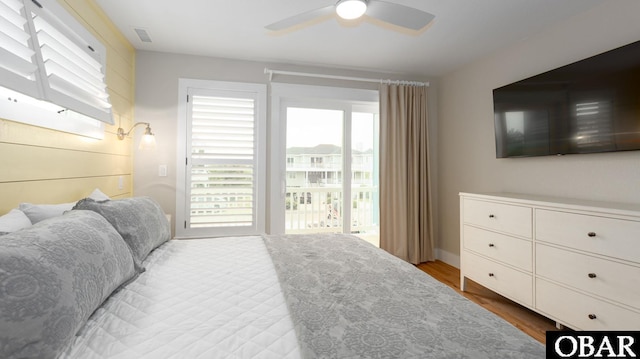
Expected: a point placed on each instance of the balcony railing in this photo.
(320, 209)
(330, 166)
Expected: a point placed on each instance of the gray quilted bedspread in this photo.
(349, 299)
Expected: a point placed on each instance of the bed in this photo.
(284, 296)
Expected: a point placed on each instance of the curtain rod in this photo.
(271, 72)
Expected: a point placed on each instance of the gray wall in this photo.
(466, 149)
(156, 102)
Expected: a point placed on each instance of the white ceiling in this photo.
(463, 31)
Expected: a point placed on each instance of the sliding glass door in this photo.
(365, 160)
(314, 155)
(331, 156)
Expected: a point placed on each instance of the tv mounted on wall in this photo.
(589, 106)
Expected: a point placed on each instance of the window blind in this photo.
(223, 165)
(48, 55)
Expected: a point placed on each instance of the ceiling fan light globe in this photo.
(351, 9)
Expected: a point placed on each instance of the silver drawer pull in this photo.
(592, 316)
(491, 275)
(592, 275)
(491, 245)
(591, 234)
(492, 216)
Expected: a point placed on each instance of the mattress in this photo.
(202, 298)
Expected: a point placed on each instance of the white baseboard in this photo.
(448, 257)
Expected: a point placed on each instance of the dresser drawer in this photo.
(509, 282)
(574, 309)
(612, 280)
(500, 217)
(605, 236)
(511, 250)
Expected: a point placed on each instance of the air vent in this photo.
(143, 35)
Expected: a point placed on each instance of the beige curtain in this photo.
(405, 196)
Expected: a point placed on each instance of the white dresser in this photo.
(576, 262)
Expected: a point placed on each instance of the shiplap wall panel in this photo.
(17, 133)
(120, 65)
(119, 84)
(124, 117)
(40, 165)
(59, 164)
(60, 191)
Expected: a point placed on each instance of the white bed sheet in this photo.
(203, 298)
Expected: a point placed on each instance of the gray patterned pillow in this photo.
(40, 212)
(139, 220)
(53, 276)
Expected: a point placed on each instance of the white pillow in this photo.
(98, 196)
(40, 212)
(14, 221)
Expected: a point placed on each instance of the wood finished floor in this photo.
(522, 318)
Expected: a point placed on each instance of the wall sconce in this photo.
(148, 141)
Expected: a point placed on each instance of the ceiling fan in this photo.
(395, 14)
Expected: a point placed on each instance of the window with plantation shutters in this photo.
(49, 62)
(224, 170)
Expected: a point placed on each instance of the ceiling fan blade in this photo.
(399, 15)
(301, 18)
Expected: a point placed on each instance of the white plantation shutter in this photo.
(73, 69)
(222, 161)
(48, 55)
(223, 176)
(17, 64)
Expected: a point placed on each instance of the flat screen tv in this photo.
(589, 106)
